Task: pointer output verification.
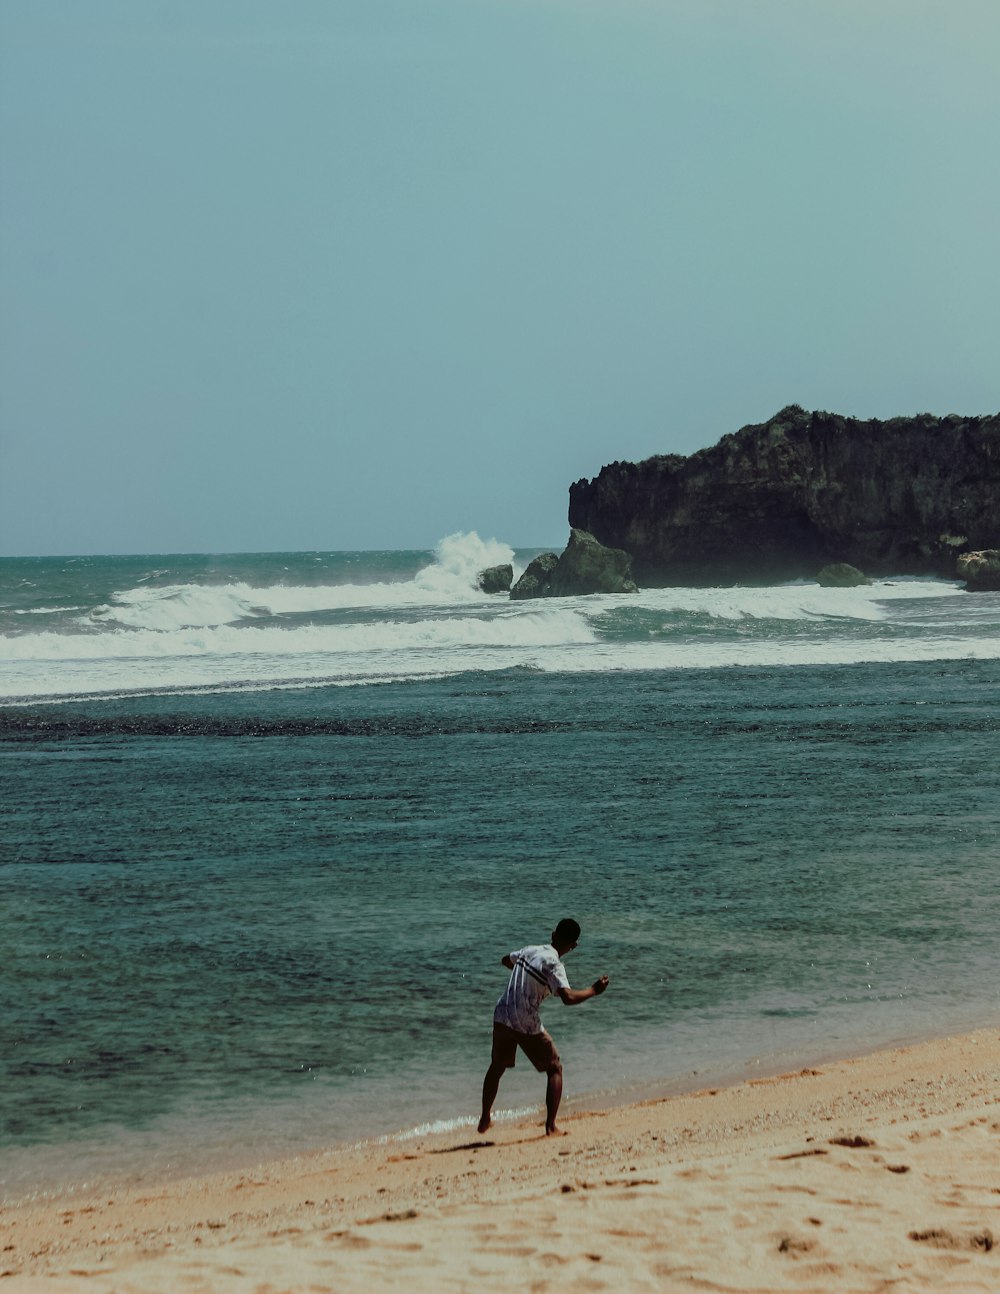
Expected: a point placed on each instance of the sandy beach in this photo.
(874, 1173)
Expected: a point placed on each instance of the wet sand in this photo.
(876, 1173)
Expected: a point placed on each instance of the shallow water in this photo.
(248, 922)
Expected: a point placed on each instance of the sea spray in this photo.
(459, 558)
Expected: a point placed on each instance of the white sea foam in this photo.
(453, 1125)
(177, 606)
(438, 624)
(42, 611)
(796, 601)
(449, 580)
(772, 653)
(108, 677)
(514, 627)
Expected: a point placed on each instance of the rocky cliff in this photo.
(779, 500)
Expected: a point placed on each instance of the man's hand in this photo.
(574, 996)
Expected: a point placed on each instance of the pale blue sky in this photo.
(361, 273)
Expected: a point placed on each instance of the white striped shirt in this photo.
(537, 973)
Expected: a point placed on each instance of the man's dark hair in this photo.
(567, 931)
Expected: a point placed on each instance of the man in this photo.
(535, 972)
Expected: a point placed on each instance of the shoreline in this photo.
(841, 1175)
(189, 1165)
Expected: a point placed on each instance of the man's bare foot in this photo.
(552, 1131)
(485, 1123)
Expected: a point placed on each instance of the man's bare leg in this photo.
(491, 1085)
(553, 1095)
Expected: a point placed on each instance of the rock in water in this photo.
(584, 567)
(496, 579)
(588, 567)
(981, 571)
(535, 580)
(779, 500)
(841, 575)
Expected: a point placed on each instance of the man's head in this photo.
(565, 935)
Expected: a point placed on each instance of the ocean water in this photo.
(268, 823)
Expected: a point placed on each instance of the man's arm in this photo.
(574, 996)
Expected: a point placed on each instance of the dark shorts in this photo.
(538, 1047)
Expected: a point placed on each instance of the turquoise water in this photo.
(255, 895)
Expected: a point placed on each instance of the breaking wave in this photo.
(276, 621)
(449, 579)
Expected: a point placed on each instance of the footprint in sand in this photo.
(794, 1245)
(348, 1240)
(939, 1238)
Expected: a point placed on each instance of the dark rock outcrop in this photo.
(841, 575)
(779, 500)
(587, 566)
(981, 571)
(496, 579)
(584, 567)
(534, 582)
